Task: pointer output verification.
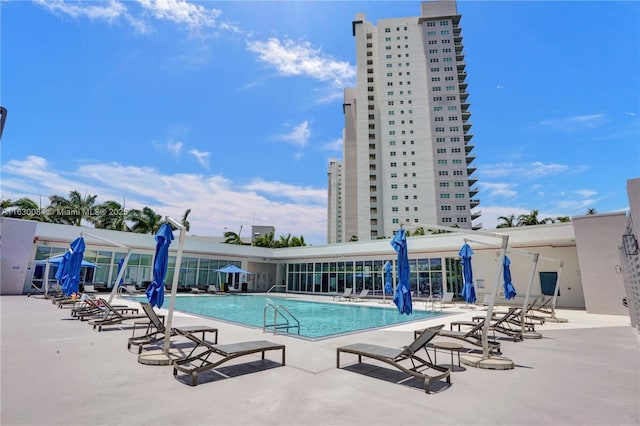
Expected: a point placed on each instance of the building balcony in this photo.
(474, 203)
(469, 147)
(463, 86)
(460, 57)
(462, 76)
(466, 115)
(470, 170)
(467, 137)
(476, 214)
(464, 96)
(473, 192)
(471, 182)
(466, 126)
(470, 159)
(465, 106)
(461, 66)
(457, 39)
(477, 226)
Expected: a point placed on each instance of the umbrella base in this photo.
(531, 335)
(491, 363)
(160, 357)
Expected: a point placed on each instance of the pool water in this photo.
(317, 319)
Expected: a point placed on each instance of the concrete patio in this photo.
(58, 371)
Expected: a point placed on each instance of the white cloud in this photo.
(202, 157)
(173, 147)
(576, 122)
(586, 193)
(215, 201)
(334, 145)
(193, 16)
(535, 169)
(298, 136)
(499, 86)
(292, 58)
(506, 190)
(288, 191)
(108, 11)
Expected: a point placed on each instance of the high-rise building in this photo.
(407, 141)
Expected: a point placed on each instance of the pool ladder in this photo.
(279, 311)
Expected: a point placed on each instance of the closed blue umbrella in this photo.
(68, 273)
(388, 287)
(155, 291)
(402, 299)
(120, 262)
(509, 289)
(468, 291)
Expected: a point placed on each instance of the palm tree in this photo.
(184, 221)
(563, 219)
(507, 222)
(145, 221)
(265, 240)
(73, 210)
(284, 241)
(418, 231)
(591, 211)
(110, 215)
(353, 238)
(24, 208)
(233, 238)
(532, 219)
(298, 241)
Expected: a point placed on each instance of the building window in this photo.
(452, 108)
(438, 108)
(445, 208)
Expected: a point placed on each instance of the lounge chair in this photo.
(343, 296)
(439, 302)
(360, 297)
(212, 288)
(473, 336)
(89, 308)
(156, 330)
(196, 290)
(394, 357)
(113, 316)
(129, 289)
(507, 323)
(207, 356)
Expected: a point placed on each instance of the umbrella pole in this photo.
(124, 265)
(525, 304)
(174, 285)
(119, 276)
(494, 292)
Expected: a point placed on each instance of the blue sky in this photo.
(233, 109)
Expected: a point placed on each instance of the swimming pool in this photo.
(317, 319)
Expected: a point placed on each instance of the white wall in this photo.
(16, 246)
(597, 240)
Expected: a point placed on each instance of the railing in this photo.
(278, 313)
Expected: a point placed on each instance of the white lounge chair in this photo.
(343, 296)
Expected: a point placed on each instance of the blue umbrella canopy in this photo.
(402, 299)
(468, 291)
(56, 260)
(155, 291)
(232, 269)
(120, 262)
(68, 273)
(388, 287)
(509, 289)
